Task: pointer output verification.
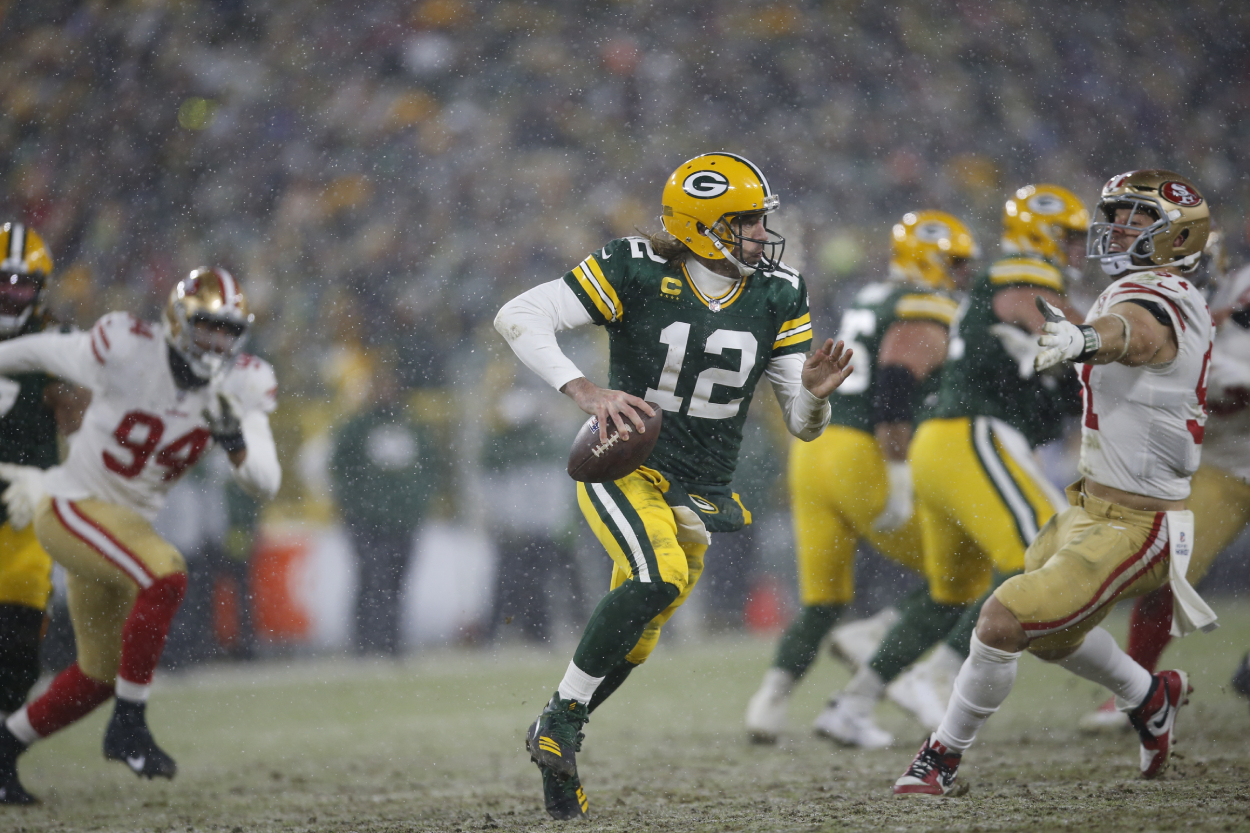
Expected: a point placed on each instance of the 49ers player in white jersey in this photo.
(1143, 356)
(161, 396)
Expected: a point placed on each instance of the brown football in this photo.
(594, 459)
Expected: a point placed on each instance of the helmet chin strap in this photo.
(743, 269)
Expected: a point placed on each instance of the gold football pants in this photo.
(641, 534)
(25, 569)
(981, 498)
(109, 553)
(1087, 558)
(838, 486)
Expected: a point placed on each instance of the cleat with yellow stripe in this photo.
(556, 737)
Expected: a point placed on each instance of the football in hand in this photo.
(598, 459)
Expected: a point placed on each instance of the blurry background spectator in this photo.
(383, 179)
(385, 469)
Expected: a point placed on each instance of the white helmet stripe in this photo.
(229, 289)
(17, 244)
(767, 191)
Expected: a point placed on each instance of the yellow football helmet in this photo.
(1038, 219)
(1180, 221)
(207, 320)
(23, 276)
(925, 245)
(704, 196)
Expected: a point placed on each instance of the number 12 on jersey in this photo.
(677, 336)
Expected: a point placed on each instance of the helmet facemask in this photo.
(209, 343)
(726, 235)
(1140, 254)
(20, 295)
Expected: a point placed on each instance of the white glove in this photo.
(23, 494)
(900, 504)
(1063, 341)
(1020, 344)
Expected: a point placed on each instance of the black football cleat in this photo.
(129, 740)
(1241, 677)
(564, 797)
(556, 737)
(11, 789)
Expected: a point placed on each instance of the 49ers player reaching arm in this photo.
(1142, 357)
(162, 395)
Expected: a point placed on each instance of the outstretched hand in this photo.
(611, 407)
(826, 368)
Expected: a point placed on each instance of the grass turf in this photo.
(435, 743)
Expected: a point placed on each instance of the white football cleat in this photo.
(848, 720)
(855, 642)
(1107, 718)
(925, 688)
(766, 711)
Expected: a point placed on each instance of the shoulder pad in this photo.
(118, 333)
(926, 306)
(1026, 270)
(253, 382)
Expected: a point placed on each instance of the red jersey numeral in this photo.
(1196, 428)
(140, 433)
(1091, 418)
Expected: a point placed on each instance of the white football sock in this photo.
(778, 682)
(131, 692)
(578, 685)
(19, 724)
(1100, 660)
(867, 684)
(983, 684)
(944, 660)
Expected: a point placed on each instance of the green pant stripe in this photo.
(627, 529)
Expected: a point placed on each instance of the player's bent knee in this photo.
(997, 627)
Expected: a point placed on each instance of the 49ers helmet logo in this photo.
(705, 185)
(1180, 193)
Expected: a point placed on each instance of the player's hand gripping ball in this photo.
(598, 459)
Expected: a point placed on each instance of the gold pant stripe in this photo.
(1141, 562)
(102, 541)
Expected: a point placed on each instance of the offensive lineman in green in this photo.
(30, 405)
(854, 482)
(695, 318)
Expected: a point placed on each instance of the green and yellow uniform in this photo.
(838, 482)
(28, 437)
(980, 495)
(700, 360)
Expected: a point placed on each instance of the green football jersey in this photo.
(864, 325)
(699, 358)
(27, 425)
(980, 378)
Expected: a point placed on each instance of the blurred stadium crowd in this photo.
(382, 176)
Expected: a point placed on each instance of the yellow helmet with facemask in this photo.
(703, 198)
(926, 245)
(1040, 220)
(24, 273)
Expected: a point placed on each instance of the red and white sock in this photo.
(71, 696)
(143, 636)
(1150, 627)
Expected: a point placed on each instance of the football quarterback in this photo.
(696, 317)
(854, 482)
(162, 395)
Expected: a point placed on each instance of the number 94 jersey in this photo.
(141, 431)
(699, 358)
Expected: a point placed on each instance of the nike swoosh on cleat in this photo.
(136, 763)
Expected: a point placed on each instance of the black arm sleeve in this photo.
(894, 397)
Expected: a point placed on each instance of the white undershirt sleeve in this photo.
(530, 322)
(806, 416)
(64, 355)
(261, 474)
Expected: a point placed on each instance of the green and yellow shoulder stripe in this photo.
(926, 306)
(1026, 271)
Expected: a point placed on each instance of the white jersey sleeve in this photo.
(253, 388)
(67, 356)
(1143, 427)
